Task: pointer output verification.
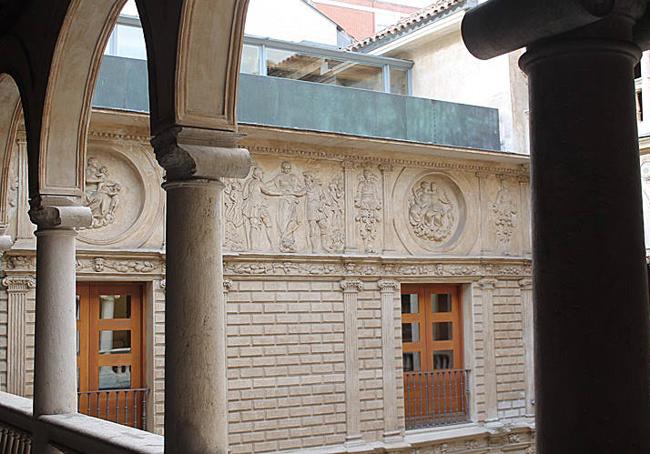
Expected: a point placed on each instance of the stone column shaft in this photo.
(529, 343)
(590, 282)
(351, 289)
(645, 87)
(489, 354)
(392, 431)
(196, 397)
(195, 353)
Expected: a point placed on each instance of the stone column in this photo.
(489, 354)
(17, 289)
(526, 286)
(388, 243)
(196, 412)
(645, 88)
(392, 430)
(590, 282)
(351, 289)
(55, 361)
(350, 223)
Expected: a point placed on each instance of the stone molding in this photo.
(192, 153)
(356, 161)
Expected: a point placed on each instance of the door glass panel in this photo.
(441, 303)
(114, 342)
(410, 304)
(115, 306)
(442, 331)
(411, 361)
(114, 377)
(77, 311)
(443, 360)
(77, 342)
(410, 332)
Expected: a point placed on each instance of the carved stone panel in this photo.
(123, 192)
(285, 206)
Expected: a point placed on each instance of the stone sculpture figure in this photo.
(288, 188)
(235, 232)
(255, 210)
(504, 211)
(102, 194)
(368, 204)
(431, 212)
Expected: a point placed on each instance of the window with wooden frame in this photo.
(110, 352)
(435, 383)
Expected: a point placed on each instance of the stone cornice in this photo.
(465, 165)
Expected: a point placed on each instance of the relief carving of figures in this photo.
(235, 232)
(504, 211)
(432, 214)
(102, 194)
(287, 185)
(255, 210)
(367, 201)
(323, 213)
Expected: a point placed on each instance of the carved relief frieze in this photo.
(292, 211)
(19, 263)
(102, 194)
(368, 204)
(268, 268)
(504, 213)
(117, 265)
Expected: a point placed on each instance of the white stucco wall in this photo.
(289, 20)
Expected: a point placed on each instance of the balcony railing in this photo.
(125, 406)
(73, 433)
(436, 398)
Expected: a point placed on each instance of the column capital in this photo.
(60, 217)
(203, 154)
(19, 284)
(526, 284)
(387, 285)
(487, 284)
(351, 285)
(227, 285)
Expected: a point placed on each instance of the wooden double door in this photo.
(110, 352)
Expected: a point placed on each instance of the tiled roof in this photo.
(417, 18)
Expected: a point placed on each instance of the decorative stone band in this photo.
(64, 217)
(192, 153)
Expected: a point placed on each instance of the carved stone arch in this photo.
(66, 113)
(209, 53)
(11, 114)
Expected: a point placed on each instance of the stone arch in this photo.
(193, 49)
(10, 117)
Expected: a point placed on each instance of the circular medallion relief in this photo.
(115, 195)
(436, 211)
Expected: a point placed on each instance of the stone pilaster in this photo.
(388, 242)
(350, 223)
(196, 401)
(525, 223)
(392, 430)
(489, 351)
(17, 289)
(351, 289)
(526, 286)
(484, 204)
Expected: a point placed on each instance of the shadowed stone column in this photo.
(55, 362)
(589, 280)
(196, 412)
